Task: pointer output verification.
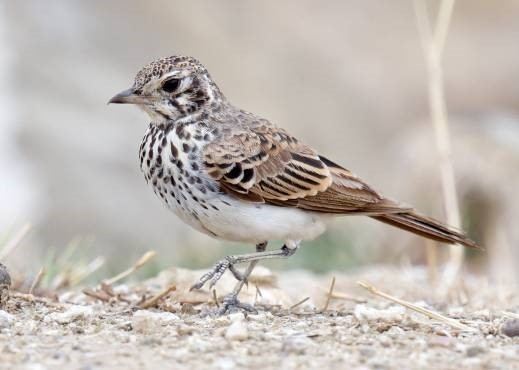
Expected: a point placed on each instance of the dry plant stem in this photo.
(344, 296)
(431, 314)
(329, 295)
(102, 296)
(32, 298)
(14, 241)
(298, 303)
(511, 315)
(92, 267)
(215, 299)
(141, 262)
(432, 261)
(37, 280)
(433, 42)
(152, 302)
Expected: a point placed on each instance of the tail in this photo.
(427, 227)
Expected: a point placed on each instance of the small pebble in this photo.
(297, 344)
(364, 313)
(367, 352)
(473, 351)
(237, 316)
(5, 278)
(73, 313)
(5, 284)
(237, 331)
(441, 341)
(147, 322)
(6, 319)
(511, 328)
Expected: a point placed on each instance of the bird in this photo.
(236, 176)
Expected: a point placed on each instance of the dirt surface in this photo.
(358, 330)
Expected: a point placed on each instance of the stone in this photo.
(364, 313)
(6, 320)
(511, 328)
(237, 331)
(73, 313)
(145, 321)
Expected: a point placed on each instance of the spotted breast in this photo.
(170, 159)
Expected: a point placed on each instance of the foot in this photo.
(217, 271)
(232, 304)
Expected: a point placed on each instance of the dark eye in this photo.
(171, 85)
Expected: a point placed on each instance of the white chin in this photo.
(155, 116)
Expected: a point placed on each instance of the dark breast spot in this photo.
(174, 150)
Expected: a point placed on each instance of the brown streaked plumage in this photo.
(236, 176)
(262, 163)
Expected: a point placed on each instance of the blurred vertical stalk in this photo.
(433, 42)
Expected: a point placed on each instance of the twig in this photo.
(215, 299)
(37, 280)
(107, 289)
(431, 314)
(101, 295)
(344, 296)
(298, 303)
(14, 241)
(432, 261)
(33, 298)
(329, 295)
(511, 315)
(145, 258)
(258, 294)
(155, 299)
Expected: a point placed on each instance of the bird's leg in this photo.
(228, 263)
(231, 300)
(243, 277)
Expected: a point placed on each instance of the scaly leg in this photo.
(231, 301)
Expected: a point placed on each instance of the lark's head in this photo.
(171, 88)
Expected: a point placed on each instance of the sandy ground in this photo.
(358, 330)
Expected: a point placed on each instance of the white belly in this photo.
(237, 220)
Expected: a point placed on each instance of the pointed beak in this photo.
(127, 97)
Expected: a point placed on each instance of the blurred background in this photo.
(347, 77)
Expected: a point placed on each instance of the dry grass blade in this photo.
(258, 294)
(511, 315)
(92, 267)
(329, 295)
(32, 298)
(431, 314)
(215, 299)
(432, 261)
(433, 41)
(102, 296)
(155, 299)
(14, 241)
(141, 262)
(37, 280)
(344, 296)
(298, 303)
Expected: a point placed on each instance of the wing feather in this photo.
(263, 163)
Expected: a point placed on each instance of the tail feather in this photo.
(427, 227)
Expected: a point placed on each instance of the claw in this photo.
(231, 304)
(216, 273)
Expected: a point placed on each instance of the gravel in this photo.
(376, 334)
